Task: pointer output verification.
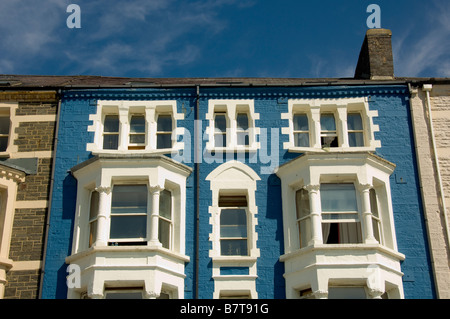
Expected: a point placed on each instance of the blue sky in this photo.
(218, 38)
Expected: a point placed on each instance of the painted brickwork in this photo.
(395, 135)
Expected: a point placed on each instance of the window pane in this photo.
(165, 204)
(233, 201)
(304, 228)
(164, 141)
(242, 121)
(111, 124)
(302, 202)
(164, 233)
(93, 212)
(301, 122)
(137, 124)
(3, 143)
(346, 293)
(301, 139)
(92, 233)
(129, 199)
(233, 247)
(355, 139)
(111, 142)
(242, 139)
(123, 295)
(4, 125)
(220, 123)
(233, 223)
(128, 227)
(373, 202)
(164, 123)
(354, 122)
(338, 197)
(342, 233)
(220, 140)
(327, 122)
(137, 139)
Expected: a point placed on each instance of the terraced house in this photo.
(244, 188)
(27, 131)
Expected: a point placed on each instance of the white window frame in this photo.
(246, 238)
(231, 108)
(234, 178)
(9, 179)
(340, 108)
(125, 110)
(147, 214)
(8, 109)
(137, 146)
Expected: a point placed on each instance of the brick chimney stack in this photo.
(375, 59)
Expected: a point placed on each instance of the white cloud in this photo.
(424, 52)
(115, 37)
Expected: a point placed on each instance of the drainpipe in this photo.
(197, 148)
(52, 179)
(427, 89)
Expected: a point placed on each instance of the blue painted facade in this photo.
(396, 138)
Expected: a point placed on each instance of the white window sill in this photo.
(330, 149)
(114, 251)
(125, 152)
(234, 259)
(346, 249)
(228, 149)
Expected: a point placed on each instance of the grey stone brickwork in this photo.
(22, 284)
(35, 136)
(28, 234)
(37, 187)
(36, 108)
(28, 231)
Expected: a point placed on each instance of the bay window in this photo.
(130, 225)
(338, 225)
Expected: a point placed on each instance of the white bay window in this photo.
(337, 212)
(130, 216)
